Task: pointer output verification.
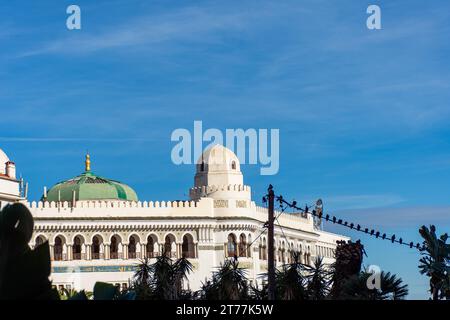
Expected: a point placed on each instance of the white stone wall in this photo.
(9, 190)
(208, 221)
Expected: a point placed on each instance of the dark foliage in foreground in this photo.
(23, 272)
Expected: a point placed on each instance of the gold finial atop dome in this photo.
(88, 162)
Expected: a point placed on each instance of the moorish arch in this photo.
(242, 245)
(188, 247)
(115, 246)
(170, 246)
(58, 247)
(97, 247)
(263, 249)
(232, 246)
(133, 246)
(152, 247)
(77, 247)
(40, 239)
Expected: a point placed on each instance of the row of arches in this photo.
(284, 253)
(241, 248)
(116, 249)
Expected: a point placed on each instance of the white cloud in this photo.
(399, 217)
(188, 24)
(63, 139)
(362, 201)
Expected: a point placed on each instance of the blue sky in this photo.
(363, 115)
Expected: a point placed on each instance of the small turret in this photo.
(11, 169)
(218, 176)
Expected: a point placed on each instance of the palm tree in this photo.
(162, 280)
(180, 271)
(391, 287)
(228, 283)
(290, 281)
(435, 262)
(167, 277)
(318, 278)
(142, 273)
(141, 279)
(72, 294)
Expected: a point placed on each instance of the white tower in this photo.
(218, 175)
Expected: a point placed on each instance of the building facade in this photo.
(10, 186)
(98, 229)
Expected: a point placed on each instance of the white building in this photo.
(98, 229)
(10, 187)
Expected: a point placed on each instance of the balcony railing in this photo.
(189, 255)
(171, 254)
(231, 253)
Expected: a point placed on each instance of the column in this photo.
(88, 252)
(106, 251)
(173, 249)
(70, 251)
(138, 250)
(67, 252)
(83, 252)
(52, 252)
(101, 251)
(125, 251)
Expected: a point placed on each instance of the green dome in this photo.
(88, 186)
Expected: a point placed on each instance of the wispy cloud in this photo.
(399, 217)
(349, 202)
(192, 24)
(62, 139)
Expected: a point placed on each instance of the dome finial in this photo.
(88, 162)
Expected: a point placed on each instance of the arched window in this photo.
(188, 247)
(231, 245)
(282, 253)
(233, 165)
(149, 247)
(76, 248)
(291, 252)
(132, 248)
(242, 245)
(261, 250)
(95, 250)
(39, 241)
(202, 166)
(170, 248)
(114, 248)
(58, 249)
(264, 248)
